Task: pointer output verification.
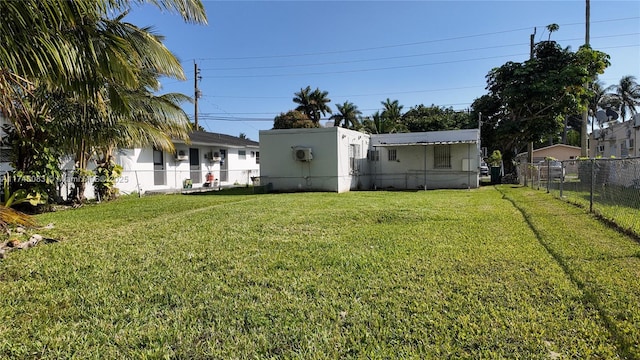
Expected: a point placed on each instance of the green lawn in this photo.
(489, 273)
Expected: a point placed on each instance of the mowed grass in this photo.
(436, 274)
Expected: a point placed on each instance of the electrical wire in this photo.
(398, 45)
(397, 57)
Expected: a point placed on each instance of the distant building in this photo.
(557, 151)
(617, 140)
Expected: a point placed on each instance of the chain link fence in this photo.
(607, 187)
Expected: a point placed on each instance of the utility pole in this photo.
(532, 40)
(584, 145)
(196, 93)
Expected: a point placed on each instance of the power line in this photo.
(386, 68)
(364, 70)
(395, 57)
(399, 45)
(352, 95)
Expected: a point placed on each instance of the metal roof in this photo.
(208, 138)
(426, 143)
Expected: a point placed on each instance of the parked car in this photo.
(554, 169)
(484, 169)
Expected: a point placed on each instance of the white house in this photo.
(338, 159)
(210, 159)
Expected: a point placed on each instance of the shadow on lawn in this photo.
(227, 191)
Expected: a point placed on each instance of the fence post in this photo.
(561, 178)
(548, 176)
(593, 184)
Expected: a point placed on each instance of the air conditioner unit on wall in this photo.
(181, 156)
(302, 153)
(212, 156)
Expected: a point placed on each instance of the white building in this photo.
(338, 159)
(221, 159)
(618, 140)
(209, 160)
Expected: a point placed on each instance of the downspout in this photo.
(469, 166)
(425, 167)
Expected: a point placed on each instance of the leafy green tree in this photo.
(348, 115)
(435, 118)
(536, 95)
(293, 119)
(627, 94)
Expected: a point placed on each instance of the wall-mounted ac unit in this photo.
(181, 156)
(302, 153)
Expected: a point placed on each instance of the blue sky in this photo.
(254, 55)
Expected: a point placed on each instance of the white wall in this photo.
(329, 170)
(414, 165)
(138, 174)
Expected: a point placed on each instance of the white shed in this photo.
(319, 159)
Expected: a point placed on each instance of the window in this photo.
(257, 157)
(442, 157)
(5, 154)
(373, 155)
(242, 154)
(157, 157)
(354, 153)
(392, 155)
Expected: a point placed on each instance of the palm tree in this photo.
(627, 93)
(312, 103)
(119, 65)
(373, 124)
(347, 115)
(392, 110)
(600, 99)
(320, 99)
(46, 41)
(552, 28)
(303, 99)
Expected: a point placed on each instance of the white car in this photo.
(484, 169)
(554, 169)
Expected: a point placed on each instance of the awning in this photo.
(426, 143)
